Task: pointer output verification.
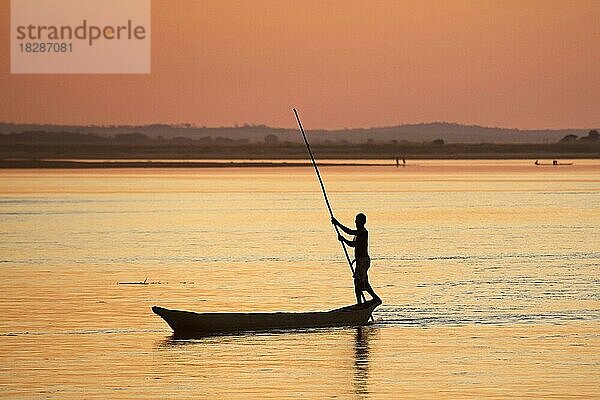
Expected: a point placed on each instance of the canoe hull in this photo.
(187, 323)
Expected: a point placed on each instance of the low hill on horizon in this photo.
(424, 132)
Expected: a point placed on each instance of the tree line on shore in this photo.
(71, 145)
(40, 137)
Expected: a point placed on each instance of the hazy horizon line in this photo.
(186, 125)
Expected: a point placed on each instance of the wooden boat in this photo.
(190, 324)
(558, 164)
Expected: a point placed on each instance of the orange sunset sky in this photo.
(522, 64)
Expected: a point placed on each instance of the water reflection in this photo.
(306, 354)
(362, 338)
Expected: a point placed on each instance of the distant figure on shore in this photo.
(398, 162)
(537, 162)
(554, 162)
(361, 255)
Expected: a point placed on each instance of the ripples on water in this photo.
(483, 272)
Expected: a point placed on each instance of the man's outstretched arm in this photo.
(342, 227)
(351, 243)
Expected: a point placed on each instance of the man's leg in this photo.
(358, 290)
(370, 290)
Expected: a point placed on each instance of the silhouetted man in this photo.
(361, 255)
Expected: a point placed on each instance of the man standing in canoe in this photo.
(361, 255)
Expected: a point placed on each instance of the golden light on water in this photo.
(488, 272)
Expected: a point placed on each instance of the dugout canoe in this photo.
(190, 324)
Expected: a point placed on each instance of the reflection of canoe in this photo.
(189, 324)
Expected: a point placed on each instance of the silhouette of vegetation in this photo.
(271, 139)
(40, 144)
(568, 139)
(417, 133)
(592, 136)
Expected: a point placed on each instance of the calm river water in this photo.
(489, 272)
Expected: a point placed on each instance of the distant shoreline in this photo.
(50, 164)
(35, 151)
(226, 163)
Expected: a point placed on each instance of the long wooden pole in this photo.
(314, 163)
